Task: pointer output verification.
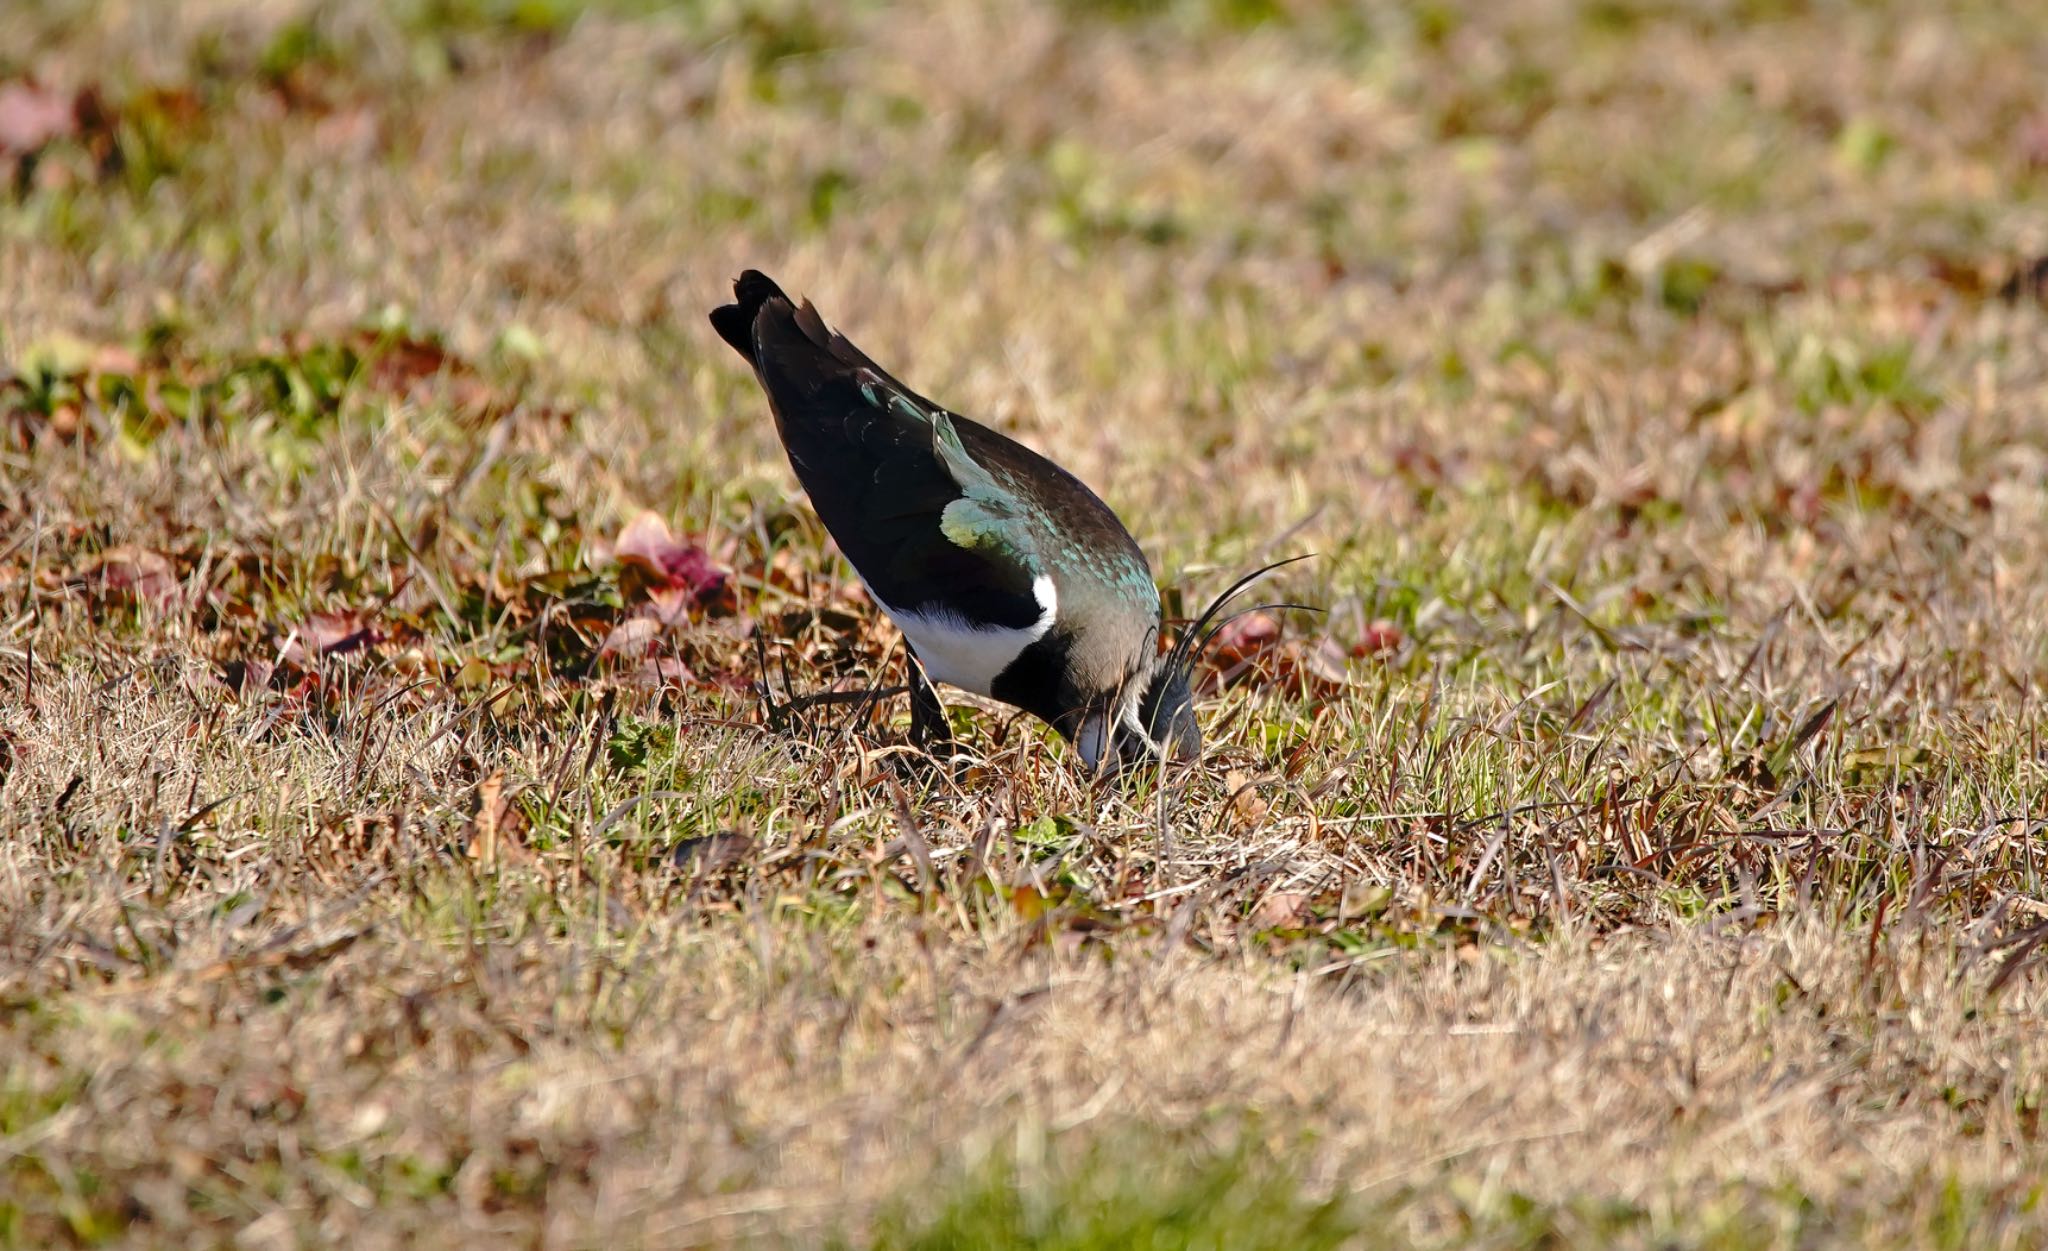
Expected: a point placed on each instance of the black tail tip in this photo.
(735, 322)
(754, 288)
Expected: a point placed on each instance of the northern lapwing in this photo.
(1008, 577)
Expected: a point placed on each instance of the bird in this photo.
(1007, 576)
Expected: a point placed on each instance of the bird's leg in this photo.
(929, 728)
(777, 715)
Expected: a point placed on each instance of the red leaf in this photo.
(1245, 638)
(397, 365)
(32, 116)
(678, 575)
(1380, 638)
(333, 634)
(134, 573)
(2033, 141)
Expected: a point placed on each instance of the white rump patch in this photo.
(959, 653)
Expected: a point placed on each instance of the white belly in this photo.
(967, 656)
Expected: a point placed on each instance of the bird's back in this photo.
(863, 446)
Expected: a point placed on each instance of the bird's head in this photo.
(1142, 724)
(1160, 723)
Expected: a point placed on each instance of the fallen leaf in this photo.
(494, 831)
(1283, 909)
(1879, 765)
(1245, 638)
(1320, 664)
(674, 575)
(132, 573)
(332, 634)
(669, 605)
(784, 571)
(2033, 141)
(1379, 638)
(247, 677)
(1029, 902)
(659, 671)
(676, 578)
(1245, 804)
(396, 365)
(33, 116)
(413, 661)
(632, 637)
(713, 853)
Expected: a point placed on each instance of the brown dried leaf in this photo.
(247, 677)
(398, 365)
(1246, 806)
(1283, 910)
(332, 634)
(496, 830)
(659, 671)
(633, 637)
(132, 573)
(712, 854)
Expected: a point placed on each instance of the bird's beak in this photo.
(1092, 740)
(1105, 747)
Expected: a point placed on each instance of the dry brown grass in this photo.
(1644, 850)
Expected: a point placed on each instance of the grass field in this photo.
(1644, 849)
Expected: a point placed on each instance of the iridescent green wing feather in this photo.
(987, 517)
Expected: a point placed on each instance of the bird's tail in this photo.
(789, 345)
(735, 322)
